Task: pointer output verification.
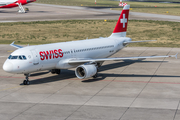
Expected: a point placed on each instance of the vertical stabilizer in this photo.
(121, 26)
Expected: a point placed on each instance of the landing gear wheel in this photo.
(26, 82)
(53, 71)
(58, 71)
(96, 75)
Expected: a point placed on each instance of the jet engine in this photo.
(85, 71)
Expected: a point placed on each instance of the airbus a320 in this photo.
(84, 55)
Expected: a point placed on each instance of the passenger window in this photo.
(24, 57)
(20, 57)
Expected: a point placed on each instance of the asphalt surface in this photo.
(125, 90)
(44, 12)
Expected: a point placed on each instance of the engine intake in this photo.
(85, 71)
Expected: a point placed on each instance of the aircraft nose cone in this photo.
(8, 66)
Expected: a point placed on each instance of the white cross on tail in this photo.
(124, 20)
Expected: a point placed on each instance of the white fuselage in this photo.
(57, 55)
(6, 2)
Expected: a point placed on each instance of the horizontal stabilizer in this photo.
(125, 43)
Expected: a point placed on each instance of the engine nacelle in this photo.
(85, 71)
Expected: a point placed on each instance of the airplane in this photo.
(15, 3)
(84, 55)
(122, 4)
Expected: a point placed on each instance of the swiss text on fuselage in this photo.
(51, 54)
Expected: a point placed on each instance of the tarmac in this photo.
(146, 89)
(46, 12)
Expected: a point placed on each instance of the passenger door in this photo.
(35, 57)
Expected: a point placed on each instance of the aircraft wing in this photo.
(16, 46)
(116, 59)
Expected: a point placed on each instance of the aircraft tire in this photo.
(96, 75)
(25, 82)
(53, 71)
(58, 71)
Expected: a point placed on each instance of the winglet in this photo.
(176, 55)
(12, 43)
(16, 46)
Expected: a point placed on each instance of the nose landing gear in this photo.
(26, 82)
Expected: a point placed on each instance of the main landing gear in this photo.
(26, 82)
(98, 65)
(56, 71)
(96, 75)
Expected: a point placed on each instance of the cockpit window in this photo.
(14, 57)
(20, 57)
(10, 57)
(24, 57)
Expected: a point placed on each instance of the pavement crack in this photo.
(138, 94)
(102, 89)
(176, 111)
(145, 85)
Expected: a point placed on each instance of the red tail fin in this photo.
(121, 26)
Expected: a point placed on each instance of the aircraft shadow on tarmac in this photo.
(3, 11)
(39, 12)
(70, 74)
(40, 73)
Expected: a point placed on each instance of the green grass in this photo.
(166, 33)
